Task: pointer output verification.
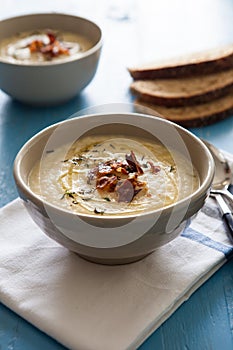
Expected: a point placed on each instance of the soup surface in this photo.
(113, 175)
(43, 46)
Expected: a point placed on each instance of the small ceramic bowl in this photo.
(114, 239)
(52, 82)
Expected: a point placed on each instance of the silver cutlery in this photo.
(219, 188)
(223, 174)
(226, 215)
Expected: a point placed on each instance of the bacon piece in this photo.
(36, 45)
(54, 48)
(112, 167)
(121, 167)
(133, 178)
(155, 169)
(106, 183)
(133, 163)
(104, 169)
(52, 37)
(120, 177)
(122, 170)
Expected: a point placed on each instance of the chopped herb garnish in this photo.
(68, 194)
(107, 199)
(172, 168)
(76, 160)
(84, 191)
(97, 211)
(66, 160)
(112, 146)
(144, 165)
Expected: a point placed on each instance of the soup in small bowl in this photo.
(47, 59)
(113, 187)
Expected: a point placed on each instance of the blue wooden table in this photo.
(133, 31)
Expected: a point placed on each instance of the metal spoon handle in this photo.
(228, 218)
(225, 193)
(226, 215)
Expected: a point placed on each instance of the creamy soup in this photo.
(113, 175)
(43, 46)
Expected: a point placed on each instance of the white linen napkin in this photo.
(94, 307)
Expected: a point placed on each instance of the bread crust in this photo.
(192, 91)
(198, 120)
(180, 101)
(208, 62)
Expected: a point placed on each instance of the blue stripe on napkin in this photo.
(200, 238)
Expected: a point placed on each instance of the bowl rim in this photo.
(89, 52)
(44, 203)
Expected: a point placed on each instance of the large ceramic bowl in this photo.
(114, 239)
(52, 82)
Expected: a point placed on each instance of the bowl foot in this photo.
(113, 261)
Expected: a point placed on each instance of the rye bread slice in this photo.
(192, 116)
(184, 91)
(205, 62)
